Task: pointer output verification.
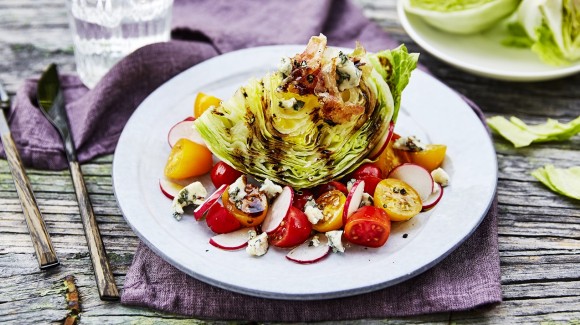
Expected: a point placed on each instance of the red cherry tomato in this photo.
(220, 220)
(368, 226)
(293, 230)
(371, 184)
(367, 169)
(301, 197)
(222, 173)
(332, 185)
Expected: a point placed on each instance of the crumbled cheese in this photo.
(258, 245)
(348, 74)
(335, 240)
(411, 143)
(440, 176)
(367, 200)
(313, 213)
(285, 66)
(311, 203)
(349, 184)
(192, 194)
(314, 241)
(237, 190)
(270, 189)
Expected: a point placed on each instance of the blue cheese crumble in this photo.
(258, 245)
(237, 190)
(348, 74)
(313, 213)
(335, 240)
(192, 194)
(440, 176)
(367, 200)
(270, 189)
(411, 143)
(285, 66)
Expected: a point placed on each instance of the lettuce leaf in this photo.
(520, 134)
(448, 5)
(562, 181)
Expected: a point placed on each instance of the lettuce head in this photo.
(317, 118)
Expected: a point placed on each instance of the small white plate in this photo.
(482, 54)
(430, 110)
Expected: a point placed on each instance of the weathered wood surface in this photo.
(539, 231)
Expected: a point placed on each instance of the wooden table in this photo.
(539, 232)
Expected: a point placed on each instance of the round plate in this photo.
(482, 54)
(430, 110)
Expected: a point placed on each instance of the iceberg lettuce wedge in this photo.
(314, 120)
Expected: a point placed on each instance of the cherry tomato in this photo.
(371, 184)
(332, 205)
(251, 210)
(293, 230)
(220, 220)
(301, 197)
(332, 185)
(399, 200)
(389, 159)
(203, 102)
(222, 173)
(367, 169)
(188, 159)
(430, 158)
(368, 226)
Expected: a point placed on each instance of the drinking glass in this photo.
(105, 31)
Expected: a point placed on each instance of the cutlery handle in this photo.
(41, 242)
(103, 273)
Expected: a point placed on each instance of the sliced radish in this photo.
(434, 198)
(189, 118)
(184, 129)
(353, 199)
(383, 144)
(417, 177)
(232, 240)
(200, 210)
(169, 188)
(307, 252)
(278, 210)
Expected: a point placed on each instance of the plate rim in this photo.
(278, 295)
(557, 73)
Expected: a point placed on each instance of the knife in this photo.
(51, 104)
(41, 242)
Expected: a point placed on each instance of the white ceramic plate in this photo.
(430, 110)
(481, 54)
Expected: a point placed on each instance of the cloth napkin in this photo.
(469, 277)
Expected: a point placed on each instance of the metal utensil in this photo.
(51, 103)
(40, 239)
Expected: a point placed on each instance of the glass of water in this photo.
(105, 31)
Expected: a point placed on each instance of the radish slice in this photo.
(232, 240)
(184, 129)
(278, 210)
(383, 144)
(353, 199)
(169, 188)
(307, 252)
(202, 208)
(434, 198)
(417, 177)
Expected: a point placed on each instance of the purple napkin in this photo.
(467, 278)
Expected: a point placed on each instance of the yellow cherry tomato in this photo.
(399, 200)
(430, 158)
(251, 210)
(203, 102)
(188, 159)
(332, 205)
(389, 159)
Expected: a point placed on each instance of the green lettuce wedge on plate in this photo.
(317, 118)
(461, 16)
(552, 29)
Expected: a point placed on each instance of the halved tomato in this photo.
(367, 169)
(251, 210)
(203, 102)
(222, 173)
(188, 159)
(332, 185)
(293, 230)
(301, 197)
(389, 159)
(399, 200)
(332, 205)
(220, 220)
(430, 158)
(368, 226)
